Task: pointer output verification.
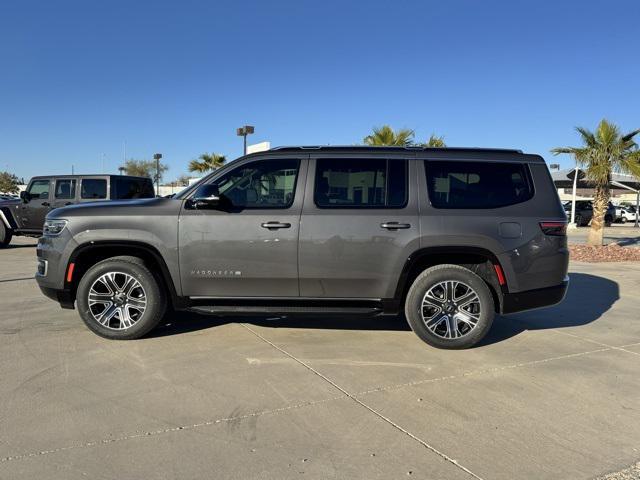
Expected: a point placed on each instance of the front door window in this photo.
(39, 189)
(264, 184)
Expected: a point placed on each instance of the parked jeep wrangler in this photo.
(448, 236)
(26, 216)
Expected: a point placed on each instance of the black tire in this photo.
(578, 221)
(608, 220)
(434, 277)
(150, 288)
(623, 220)
(5, 235)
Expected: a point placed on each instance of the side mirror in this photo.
(24, 195)
(206, 196)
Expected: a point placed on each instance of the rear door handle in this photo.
(275, 225)
(395, 225)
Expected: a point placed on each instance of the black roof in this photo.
(361, 148)
(83, 175)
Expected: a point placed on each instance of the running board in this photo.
(283, 310)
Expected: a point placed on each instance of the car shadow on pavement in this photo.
(588, 298)
(628, 242)
(184, 322)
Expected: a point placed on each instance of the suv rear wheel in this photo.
(120, 298)
(5, 235)
(449, 306)
(608, 220)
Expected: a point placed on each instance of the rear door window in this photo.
(475, 185)
(360, 183)
(65, 189)
(93, 188)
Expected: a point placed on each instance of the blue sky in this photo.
(78, 78)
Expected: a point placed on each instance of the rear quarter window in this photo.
(93, 188)
(477, 185)
(123, 188)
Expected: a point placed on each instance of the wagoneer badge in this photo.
(215, 273)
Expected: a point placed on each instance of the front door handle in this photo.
(275, 225)
(395, 225)
(46, 204)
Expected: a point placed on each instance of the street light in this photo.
(157, 157)
(243, 132)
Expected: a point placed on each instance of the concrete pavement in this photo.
(553, 393)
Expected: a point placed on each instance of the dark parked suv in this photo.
(26, 216)
(449, 236)
(584, 212)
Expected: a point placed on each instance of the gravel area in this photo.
(609, 253)
(631, 473)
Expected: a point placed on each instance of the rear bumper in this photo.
(530, 299)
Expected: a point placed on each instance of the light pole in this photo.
(157, 157)
(576, 172)
(243, 132)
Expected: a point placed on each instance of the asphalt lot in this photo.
(552, 393)
(624, 234)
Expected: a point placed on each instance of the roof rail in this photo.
(390, 147)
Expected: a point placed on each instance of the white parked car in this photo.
(625, 214)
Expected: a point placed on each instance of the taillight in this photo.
(558, 229)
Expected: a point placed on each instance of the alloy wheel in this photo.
(117, 300)
(451, 309)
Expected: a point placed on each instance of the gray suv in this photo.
(448, 236)
(25, 216)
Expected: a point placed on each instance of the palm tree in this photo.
(207, 162)
(435, 141)
(604, 152)
(385, 135)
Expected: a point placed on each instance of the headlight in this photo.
(54, 227)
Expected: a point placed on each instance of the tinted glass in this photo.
(65, 189)
(260, 184)
(39, 189)
(126, 188)
(94, 188)
(477, 184)
(360, 183)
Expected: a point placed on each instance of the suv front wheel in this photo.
(449, 306)
(120, 298)
(5, 235)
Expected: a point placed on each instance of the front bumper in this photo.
(63, 297)
(53, 257)
(530, 299)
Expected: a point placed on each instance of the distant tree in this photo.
(207, 162)
(9, 183)
(386, 135)
(435, 141)
(144, 168)
(603, 152)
